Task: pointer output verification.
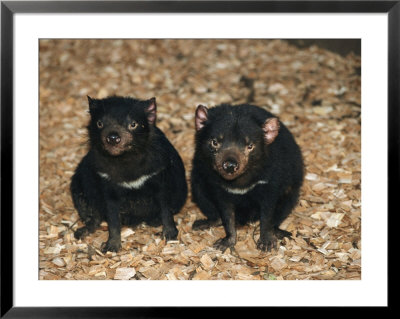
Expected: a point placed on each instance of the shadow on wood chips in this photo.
(315, 92)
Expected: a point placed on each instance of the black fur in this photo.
(241, 148)
(125, 144)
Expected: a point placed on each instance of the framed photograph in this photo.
(158, 155)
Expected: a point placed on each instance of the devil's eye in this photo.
(214, 143)
(99, 124)
(250, 146)
(132, 126)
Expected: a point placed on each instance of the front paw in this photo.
(225, 243)
(280, 234)
(81, 233)
(267, 242)
(111, 245)
(202, 224)
(169, 233)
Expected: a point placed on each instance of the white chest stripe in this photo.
(135, 184)
(104, 175)
(242, 191)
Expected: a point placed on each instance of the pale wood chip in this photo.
(124, 273)
(278, 263)
(207, 262)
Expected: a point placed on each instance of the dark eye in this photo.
(250, 147)
(132, 126)
(214, 143)
(99, 124)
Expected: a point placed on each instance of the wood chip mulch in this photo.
(315, 92)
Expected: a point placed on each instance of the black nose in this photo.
(113, 138)
(230, 166)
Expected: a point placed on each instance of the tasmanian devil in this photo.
(246, 167)
(131, 173)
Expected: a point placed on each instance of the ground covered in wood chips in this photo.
(315, 92)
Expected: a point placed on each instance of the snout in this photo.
(230, 166)
(230, 163)
(113, 138)
(116, 140)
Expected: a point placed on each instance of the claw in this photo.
(81, 233)
(111, 245)
(280, 234)
(268, 242)
(170, 234)
(224, 243)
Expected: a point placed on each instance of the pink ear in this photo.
(271, 129)
(201, 116)
(151, 111)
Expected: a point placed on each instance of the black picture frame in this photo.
(9, 8)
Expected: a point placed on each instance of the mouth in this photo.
(228, 175)
(115, 150)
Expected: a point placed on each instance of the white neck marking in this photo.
(135, 184)
(104, 175)
(242, 191)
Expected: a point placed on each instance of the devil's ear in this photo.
(201, 117)
(151, 111)
(271, 129)
(92, 104)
